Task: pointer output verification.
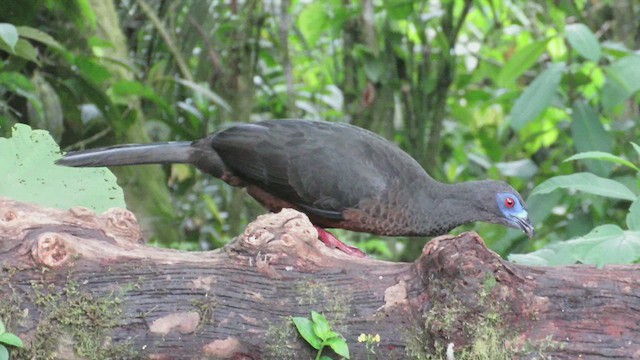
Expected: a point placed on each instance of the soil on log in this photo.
(79, 285)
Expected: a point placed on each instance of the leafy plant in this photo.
(317, 332)
(7, 339)
(605, 244)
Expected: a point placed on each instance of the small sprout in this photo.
(317, 332)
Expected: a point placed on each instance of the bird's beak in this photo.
(523, 222)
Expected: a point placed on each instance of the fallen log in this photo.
(79, 285)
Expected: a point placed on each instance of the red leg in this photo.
(331, 241)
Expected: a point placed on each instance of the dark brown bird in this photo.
(340, 175)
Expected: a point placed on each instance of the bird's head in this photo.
(501, 204)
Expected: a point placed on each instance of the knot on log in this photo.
(50, 250)
(288, 231)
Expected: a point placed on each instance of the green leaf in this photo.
(520, 62)
(28, 173)
(399, 9)
(2, 328)
(589, 134)
(339, 345)
(305, 328)
(537, 96)
(206, 92)
(606, 244)
(39, 36)
(25, 50)
(9, 35)
(586, 182)
(321, 326)
(582, 40)
(623, 80)
(4, 353)
(11, 339)
(633, 217)
(92, 70)
(636, 147)
(604, 156)
(313, 21)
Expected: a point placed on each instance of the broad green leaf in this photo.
(586, 182)
(537, 96)
(206, 92)
(320, 326)
(305, 328)
(25, 50)
(520, 62)
(28, 173)
(399, 9)
(606, 244)
(623, 80)
(9, 35)
(339, 345)
(313, 21)
(11, 339)
(92, 70)
(633, 217)
(4, 353)
(604, 156)
(582, 40)
(39, 36)
(589, 134)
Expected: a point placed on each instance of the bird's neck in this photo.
(448, 206)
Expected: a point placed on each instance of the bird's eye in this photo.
(509, 202)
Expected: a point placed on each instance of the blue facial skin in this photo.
(516, 215)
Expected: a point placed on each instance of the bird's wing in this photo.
(321, 167)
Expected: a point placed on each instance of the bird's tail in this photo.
(155, 153)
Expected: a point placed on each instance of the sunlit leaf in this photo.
(586, 182)
(582, 40)
(9, 35)
(313, 21)
(604, 156)
(537, 96)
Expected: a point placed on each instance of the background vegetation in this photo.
(472, 89)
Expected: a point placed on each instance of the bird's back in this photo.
(321, 167)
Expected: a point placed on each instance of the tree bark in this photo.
(79, 285)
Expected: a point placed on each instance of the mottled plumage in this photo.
(340, 175)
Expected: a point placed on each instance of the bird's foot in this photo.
(331, 241)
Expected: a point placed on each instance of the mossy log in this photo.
(79, 285)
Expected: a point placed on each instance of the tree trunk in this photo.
(79, 285)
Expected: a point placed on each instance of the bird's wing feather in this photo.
(311, 164)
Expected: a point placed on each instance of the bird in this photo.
(339, 175)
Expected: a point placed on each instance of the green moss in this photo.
(279, 339)
(205, 306)
(68, 315)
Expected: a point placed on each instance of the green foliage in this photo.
(317, 332)
(605, 244)
(7, 339)
(30, 174)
